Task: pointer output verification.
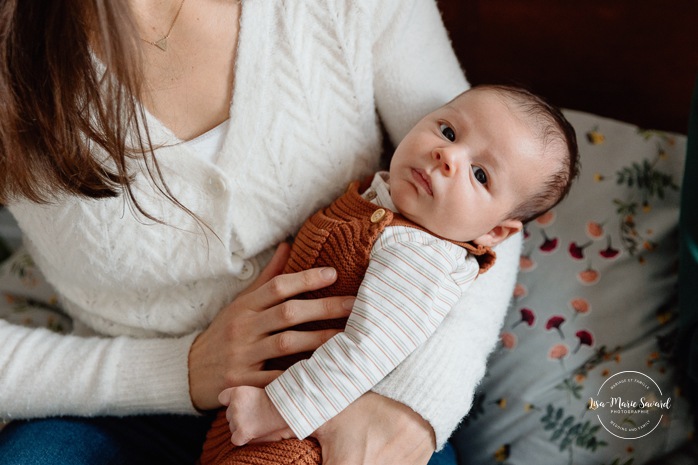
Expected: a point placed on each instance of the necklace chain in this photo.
(162, 42)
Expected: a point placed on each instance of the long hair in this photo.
(57, 106)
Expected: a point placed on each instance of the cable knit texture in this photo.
(340, 236)
(308, 79)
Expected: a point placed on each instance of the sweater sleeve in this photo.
(438, 380)
(90, 375)
(412, 282)
(415, 68)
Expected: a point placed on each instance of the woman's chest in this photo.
(189, 83)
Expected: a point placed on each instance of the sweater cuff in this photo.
(415, 388)
(153, 376)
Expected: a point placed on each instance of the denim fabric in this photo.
(446, 456)
(117, 441)
(105, 440)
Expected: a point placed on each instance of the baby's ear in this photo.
(500, 232)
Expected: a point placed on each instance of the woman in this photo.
(151, 203)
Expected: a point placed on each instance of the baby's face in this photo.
(464, 167)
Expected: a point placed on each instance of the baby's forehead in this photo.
(504, 101)
(499, 100)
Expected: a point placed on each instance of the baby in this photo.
(465, 178)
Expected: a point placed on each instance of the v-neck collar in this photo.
(161, 135)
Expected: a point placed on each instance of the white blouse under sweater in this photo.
(140, 292)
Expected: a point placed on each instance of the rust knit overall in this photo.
(340, 236)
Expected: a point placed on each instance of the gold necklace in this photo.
(162, 42)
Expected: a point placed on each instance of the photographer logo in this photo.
(629, 405)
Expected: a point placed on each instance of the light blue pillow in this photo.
(596, 297)
(25, 296)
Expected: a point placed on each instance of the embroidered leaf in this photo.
(570, 432)
(648, 179)
(571, 387)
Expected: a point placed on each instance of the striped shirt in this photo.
(412, 281)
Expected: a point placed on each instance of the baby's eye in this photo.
(447, 131)
(480, 175)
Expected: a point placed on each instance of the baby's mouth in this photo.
(422, 179)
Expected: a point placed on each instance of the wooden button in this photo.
(377, 215)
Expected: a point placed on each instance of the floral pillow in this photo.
(25, 297)
(595, 303)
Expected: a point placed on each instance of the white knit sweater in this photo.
(310, 75)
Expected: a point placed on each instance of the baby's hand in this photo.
(251, 415)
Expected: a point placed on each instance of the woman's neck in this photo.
(189, 84)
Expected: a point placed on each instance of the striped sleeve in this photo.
(412, 282)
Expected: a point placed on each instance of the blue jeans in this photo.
(117, 441)
(134, 440)
(446, 456)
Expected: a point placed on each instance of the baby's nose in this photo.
(445, 160)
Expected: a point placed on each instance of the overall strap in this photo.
(485, 256)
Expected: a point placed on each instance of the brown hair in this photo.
(57, 106)
(553, 129)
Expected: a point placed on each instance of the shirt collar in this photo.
(381, 186)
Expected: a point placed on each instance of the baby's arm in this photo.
(412, 282)
(251, 415)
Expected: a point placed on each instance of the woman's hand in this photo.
(376, 430)
(232, 350)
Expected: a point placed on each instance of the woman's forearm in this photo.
(43, 373)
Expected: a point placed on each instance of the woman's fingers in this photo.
(259, 378)
(250, 330)
(285, 286)
(294, 312)
(294, 342)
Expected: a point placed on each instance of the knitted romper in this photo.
(340, 236)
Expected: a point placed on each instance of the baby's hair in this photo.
(553, 130)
